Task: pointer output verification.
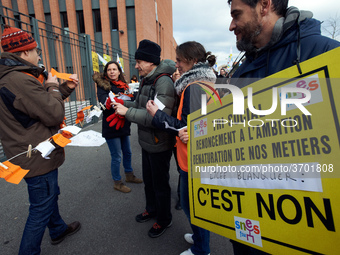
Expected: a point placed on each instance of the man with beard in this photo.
(273, 37)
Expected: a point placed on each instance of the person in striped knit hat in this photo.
(31, 110)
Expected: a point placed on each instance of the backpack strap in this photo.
(152, 89)
(159, 76)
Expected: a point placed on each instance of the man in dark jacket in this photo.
(273, 38)
(31, 112)
(156, 145)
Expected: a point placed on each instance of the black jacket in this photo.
(103, 89)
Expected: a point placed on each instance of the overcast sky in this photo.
(207, 22)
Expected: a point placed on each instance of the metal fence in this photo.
(66, 52)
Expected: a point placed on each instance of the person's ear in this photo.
(265, 6)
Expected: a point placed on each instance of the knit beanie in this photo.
(14, 40)
(148, 51)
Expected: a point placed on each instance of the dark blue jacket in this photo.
(191, 103)
(286, 52)
(191, 97)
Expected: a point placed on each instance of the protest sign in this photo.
(271, 181)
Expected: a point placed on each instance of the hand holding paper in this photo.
(52, 78)
(160, 105)
(115, 99)
(151, 107)
(72, 79)
(120, 109)
(112, 98)
(64, 76)
(73, 83)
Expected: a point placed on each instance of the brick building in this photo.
(81, 27)
(117, 23)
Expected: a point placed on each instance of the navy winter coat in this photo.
(285, 52)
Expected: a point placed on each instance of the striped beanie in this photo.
(15, 40)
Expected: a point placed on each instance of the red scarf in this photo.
(118, 84)
(121, 85)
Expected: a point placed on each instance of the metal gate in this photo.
(66, 52)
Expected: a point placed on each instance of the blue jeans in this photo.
(116, 147)
(201, 236)
(43, 194)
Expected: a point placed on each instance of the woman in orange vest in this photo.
(194, 64)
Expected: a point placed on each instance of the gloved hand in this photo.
(108, 102)
(117, 120)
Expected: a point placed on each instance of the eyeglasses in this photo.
(39, 51)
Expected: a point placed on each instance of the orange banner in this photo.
(64, 76)
(12, 173)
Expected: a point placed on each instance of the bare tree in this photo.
(332, 26)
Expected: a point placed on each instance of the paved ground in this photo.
(107, 216)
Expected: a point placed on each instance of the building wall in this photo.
(168, 43)
(122, 22)
(88, 19)
(147, 26)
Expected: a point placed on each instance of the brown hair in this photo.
(121, 75)
(195, 51)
